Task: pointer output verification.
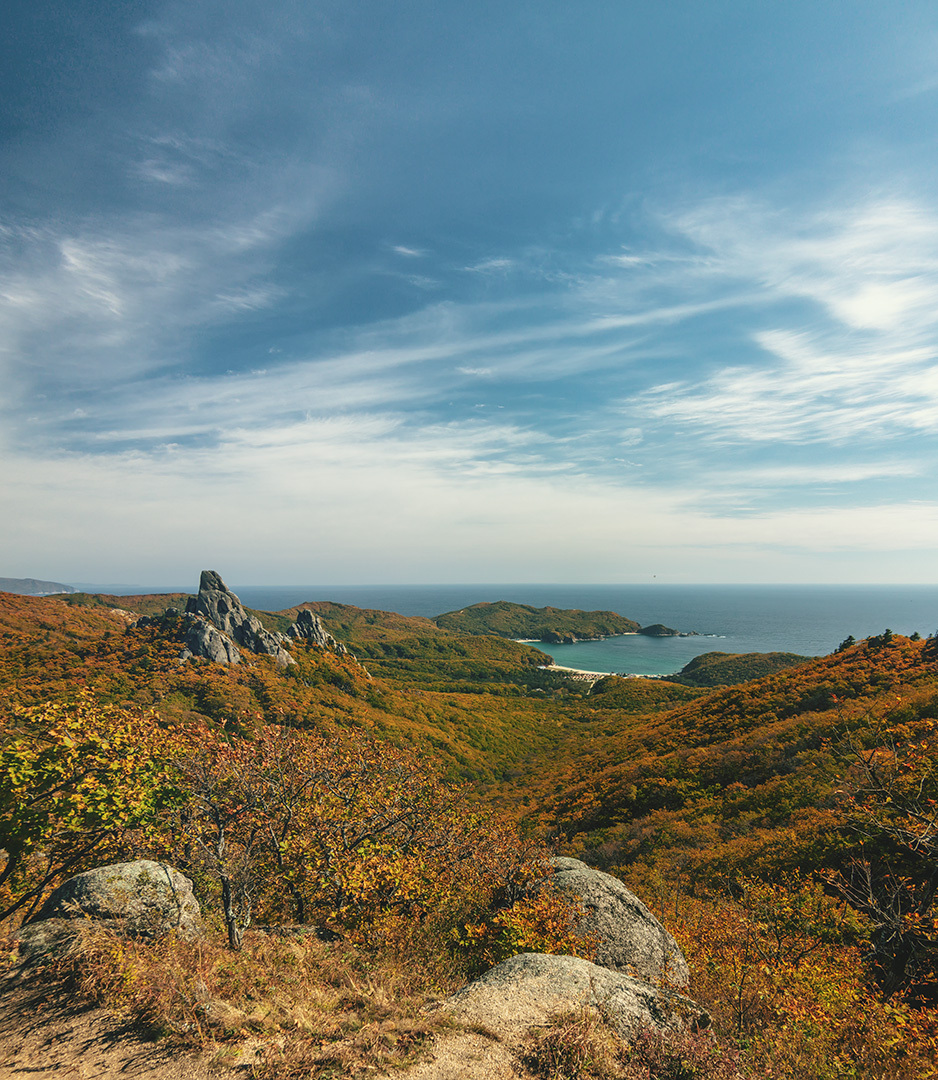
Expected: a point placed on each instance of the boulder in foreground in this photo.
(140, 899)
(526, 990)
(631, 940)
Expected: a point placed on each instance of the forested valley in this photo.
(401, 799)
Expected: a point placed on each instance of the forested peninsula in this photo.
(548, 624)
(377, 812)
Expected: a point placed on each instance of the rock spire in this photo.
(219, 627)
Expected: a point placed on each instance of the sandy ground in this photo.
(45, 1035)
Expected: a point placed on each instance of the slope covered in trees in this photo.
(50, 649)
(522, 622)
(786, 828)
(417, 650)
(740, 758)
(794, 774)
(727, 669)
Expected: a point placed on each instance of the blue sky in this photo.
(363, 291)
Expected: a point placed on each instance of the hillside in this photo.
(139, 604)
(417, 650)
(49, 648)
(522, 622)
(744, 779)
(785, 827)
(727, 669)
(33, 586)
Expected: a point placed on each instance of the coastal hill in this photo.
(419, 650)
(783, 829)
(524, 623)
(33, 587)
(727, 669)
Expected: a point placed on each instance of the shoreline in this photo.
(541, 641)
(598, 674)
(575, 671)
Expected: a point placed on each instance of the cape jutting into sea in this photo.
(807, 619)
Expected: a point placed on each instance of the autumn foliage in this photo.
(785, 829)
(278, 825)
(74, 781)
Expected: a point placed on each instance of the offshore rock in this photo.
(631, 940)
(660, 630)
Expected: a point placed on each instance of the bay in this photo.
(807, 619)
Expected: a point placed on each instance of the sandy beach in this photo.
(575, 671)
(596, 674)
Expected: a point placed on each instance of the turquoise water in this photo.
(635, 654)
(807, 619)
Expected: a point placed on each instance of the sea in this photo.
(810, 620)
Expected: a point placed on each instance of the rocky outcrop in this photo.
(218, 627)
(219, 605)
(525, 990)
(631, 940)
(140, 899)
(631, 987)
(202, 639)
(308, 627)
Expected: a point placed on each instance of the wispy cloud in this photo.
(498, 265)
(828, 349)
(91, 304)
(441, 503)
(872, 263)
(862, 366)
(814, 474)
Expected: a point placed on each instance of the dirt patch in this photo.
(467, 1056)
(46, 1033)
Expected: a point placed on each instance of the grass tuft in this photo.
(289, 1008)
(579, 1045)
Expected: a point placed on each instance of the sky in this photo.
(350, 291)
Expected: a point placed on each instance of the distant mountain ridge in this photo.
(27, 586)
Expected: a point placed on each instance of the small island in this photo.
(660, 630)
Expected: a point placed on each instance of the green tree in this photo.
(74, 777)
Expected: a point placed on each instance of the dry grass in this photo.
(579, 1045)
(301, 1007)
(576, 1044)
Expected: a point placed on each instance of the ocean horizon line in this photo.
(88, 586)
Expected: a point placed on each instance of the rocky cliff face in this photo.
(219, 627)
(308, 627)
(219, 605)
